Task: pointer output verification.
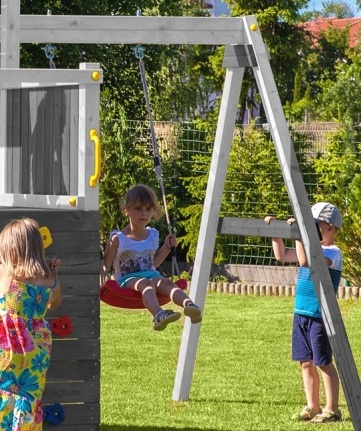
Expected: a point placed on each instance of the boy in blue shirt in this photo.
(310, 344)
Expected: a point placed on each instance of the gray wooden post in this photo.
(209, 224)
(88, 120)
(10, 57)
(302, 211)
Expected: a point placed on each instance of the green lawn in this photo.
(244, 379)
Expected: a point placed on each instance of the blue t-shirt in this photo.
(306, 301)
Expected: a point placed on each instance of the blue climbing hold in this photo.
(54, 414)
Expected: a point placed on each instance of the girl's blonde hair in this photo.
(22, 250)
(142, 195)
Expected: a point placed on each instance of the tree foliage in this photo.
(250, 188)
(336, 9)
(319, 68)
(285, 38)
(339, 171)
(339, 99)
(173, 71)
(125, 162)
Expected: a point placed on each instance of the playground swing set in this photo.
(64, 196)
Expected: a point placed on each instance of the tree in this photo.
(336, 9)
(279, 24)
(319, 66)
(254, 185)
(166, 65)
(339, 171)
(339, 99)
(125, 162)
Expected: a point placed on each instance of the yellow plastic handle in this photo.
(97, 158)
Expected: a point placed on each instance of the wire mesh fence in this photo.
(184, 142)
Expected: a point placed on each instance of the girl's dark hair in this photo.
(142, 195)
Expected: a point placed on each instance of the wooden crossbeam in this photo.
(23, 78)
(131, 30)
(257, 227)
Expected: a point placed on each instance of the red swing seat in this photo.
(112, 294)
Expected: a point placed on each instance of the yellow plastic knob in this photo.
(95, 75)
(72, 202)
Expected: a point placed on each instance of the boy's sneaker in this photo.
(327, 416)
(163, 317)
(306, 414)
(194, 312)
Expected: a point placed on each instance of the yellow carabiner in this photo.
(97, 158)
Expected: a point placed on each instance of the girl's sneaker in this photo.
(194, 312)
(163, 317)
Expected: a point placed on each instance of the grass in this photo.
(244, 379)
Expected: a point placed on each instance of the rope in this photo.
(139, 54)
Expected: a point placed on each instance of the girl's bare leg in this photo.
(175, 294)
(179, 297)
(147, 289)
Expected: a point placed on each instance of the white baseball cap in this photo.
(324, 211)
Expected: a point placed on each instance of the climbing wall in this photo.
(73, 379)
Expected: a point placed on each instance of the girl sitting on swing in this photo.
(134, 251)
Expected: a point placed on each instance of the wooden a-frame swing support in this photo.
(244, 48)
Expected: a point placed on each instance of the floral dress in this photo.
(25, 347)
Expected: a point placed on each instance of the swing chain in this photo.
(50, 50)
(139, 52)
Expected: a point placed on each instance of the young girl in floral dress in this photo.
(28, 287)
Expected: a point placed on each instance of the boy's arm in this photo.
(282, 254)
(301, 254)
(290, 255)
(163, 252)
(302, 258)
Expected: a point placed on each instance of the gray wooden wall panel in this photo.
(73, 137)
(24, 136)
(73, 379)
(42, 136)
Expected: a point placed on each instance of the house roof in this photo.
(321, 25)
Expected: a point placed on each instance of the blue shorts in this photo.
(310, 341)
(122, 281)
